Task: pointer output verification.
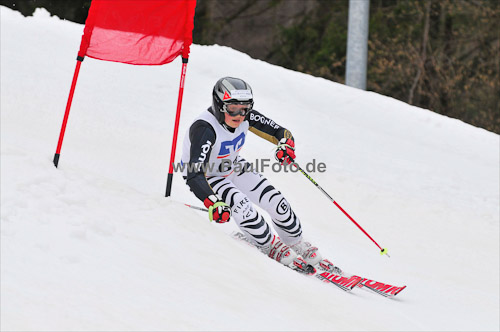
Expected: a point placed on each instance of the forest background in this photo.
(443, 55)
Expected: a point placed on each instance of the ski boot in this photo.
(278, 251)
(308, 252)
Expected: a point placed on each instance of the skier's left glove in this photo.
(285, 151)
(218, 211)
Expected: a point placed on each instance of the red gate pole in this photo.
(176, 128)
(68, 107)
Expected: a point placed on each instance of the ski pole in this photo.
(382, 250)
(196, 207)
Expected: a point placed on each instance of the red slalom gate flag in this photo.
(139, 32)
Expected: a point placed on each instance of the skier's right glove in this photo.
(218, 211)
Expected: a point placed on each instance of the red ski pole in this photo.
(382, 250)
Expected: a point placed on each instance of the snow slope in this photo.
(94, 245)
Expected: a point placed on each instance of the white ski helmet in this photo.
(230, 90)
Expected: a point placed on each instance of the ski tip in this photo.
(400, 290)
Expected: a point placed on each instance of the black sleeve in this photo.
(202, 137)
(267, 128)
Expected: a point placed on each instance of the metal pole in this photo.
(357, 43)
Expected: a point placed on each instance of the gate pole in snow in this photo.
(176, 128)
(68, 107)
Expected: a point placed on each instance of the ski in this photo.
(342, 282)
(299, 265)
(328, 273)
(380, 288)
(334, 273)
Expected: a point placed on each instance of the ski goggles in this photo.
(237, 109)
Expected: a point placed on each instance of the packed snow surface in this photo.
(95, 245)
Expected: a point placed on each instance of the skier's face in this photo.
(235, 114)
(233, 121)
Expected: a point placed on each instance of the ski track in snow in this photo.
(94, 245)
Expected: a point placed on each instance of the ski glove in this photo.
(218, 211)
(285, 151)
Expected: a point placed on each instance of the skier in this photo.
(226, 183)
